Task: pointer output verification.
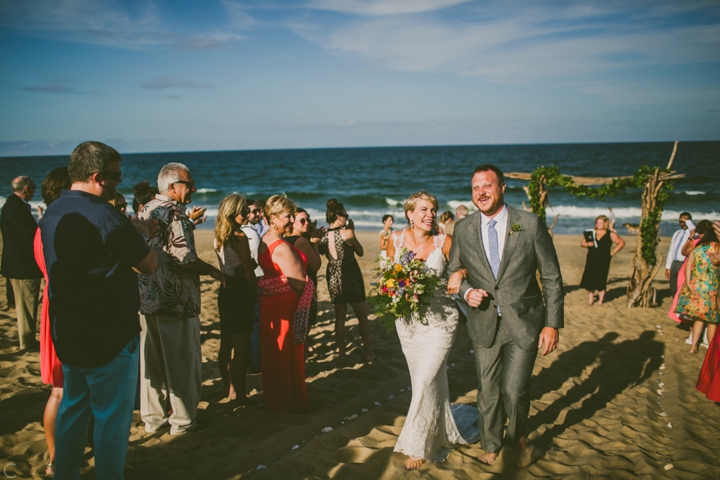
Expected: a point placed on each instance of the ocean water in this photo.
(374, 181)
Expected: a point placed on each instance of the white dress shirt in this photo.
(261, 228)
(675, 251)
(254, 242)
(500, 227)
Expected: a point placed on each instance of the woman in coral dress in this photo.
(286, 297)
(50, 366)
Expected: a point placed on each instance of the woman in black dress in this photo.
(345, 280)
(306, 237)
(597, 265)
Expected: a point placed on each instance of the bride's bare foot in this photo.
(694, 349)
(414, 463)
(488, 458)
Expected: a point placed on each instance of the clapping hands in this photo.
(197, 215)
(316, 234)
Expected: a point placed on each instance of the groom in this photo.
(501, 248)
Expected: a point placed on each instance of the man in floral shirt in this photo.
(170, 300)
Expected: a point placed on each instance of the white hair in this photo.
(170, 174)
(19, 184)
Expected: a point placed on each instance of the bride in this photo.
(430, 429)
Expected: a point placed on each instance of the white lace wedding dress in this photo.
(433, 427)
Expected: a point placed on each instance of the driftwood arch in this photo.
(656, 183)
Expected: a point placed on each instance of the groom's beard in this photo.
(492, 207)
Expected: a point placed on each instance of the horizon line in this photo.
(2, 157)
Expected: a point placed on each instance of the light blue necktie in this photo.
(493, 244)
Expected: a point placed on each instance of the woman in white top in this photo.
(235, 301)
(387, 221)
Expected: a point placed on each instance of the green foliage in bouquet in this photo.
(404, 289)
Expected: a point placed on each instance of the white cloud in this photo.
(382, 7)
(521, 45)
(106, 23)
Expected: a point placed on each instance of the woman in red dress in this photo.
(50, 366)
(286, 296)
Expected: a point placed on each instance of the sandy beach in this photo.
(616, 400)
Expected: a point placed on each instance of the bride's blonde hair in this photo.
(412, 201)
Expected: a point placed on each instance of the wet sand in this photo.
(616, 400)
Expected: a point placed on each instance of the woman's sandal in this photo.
(49, 469)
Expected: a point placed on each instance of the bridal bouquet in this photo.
(403, 290)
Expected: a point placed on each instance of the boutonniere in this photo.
(514, 229)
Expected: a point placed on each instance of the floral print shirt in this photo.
(171, 291)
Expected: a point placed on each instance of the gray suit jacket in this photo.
(516, 290)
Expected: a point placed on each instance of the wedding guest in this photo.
(254, 242)
(709, 377)
(597, 263)
(698, 295)
(675, 257)
(236, 301)
(118, 201)
(50, 366)
(197, 215)
(694, 237)
(260, 222)
(460, 213)
(92, 252)
(18, 261)
(345, 280)
(144, 192)
(305, 236)
(446, 222)
(286, 295)
(385, 233)
(171, 360)
(715, 258)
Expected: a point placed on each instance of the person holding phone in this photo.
(345, 280)
(597, 264)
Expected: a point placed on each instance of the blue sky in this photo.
(182, 75)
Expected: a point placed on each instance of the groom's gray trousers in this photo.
(504, 372)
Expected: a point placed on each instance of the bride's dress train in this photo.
(433, 427)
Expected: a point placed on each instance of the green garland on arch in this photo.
(649, 225)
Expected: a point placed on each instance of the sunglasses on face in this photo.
(114, 176)
(303, 220)
(187, 183)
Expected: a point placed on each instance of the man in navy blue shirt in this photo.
(93, 254)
